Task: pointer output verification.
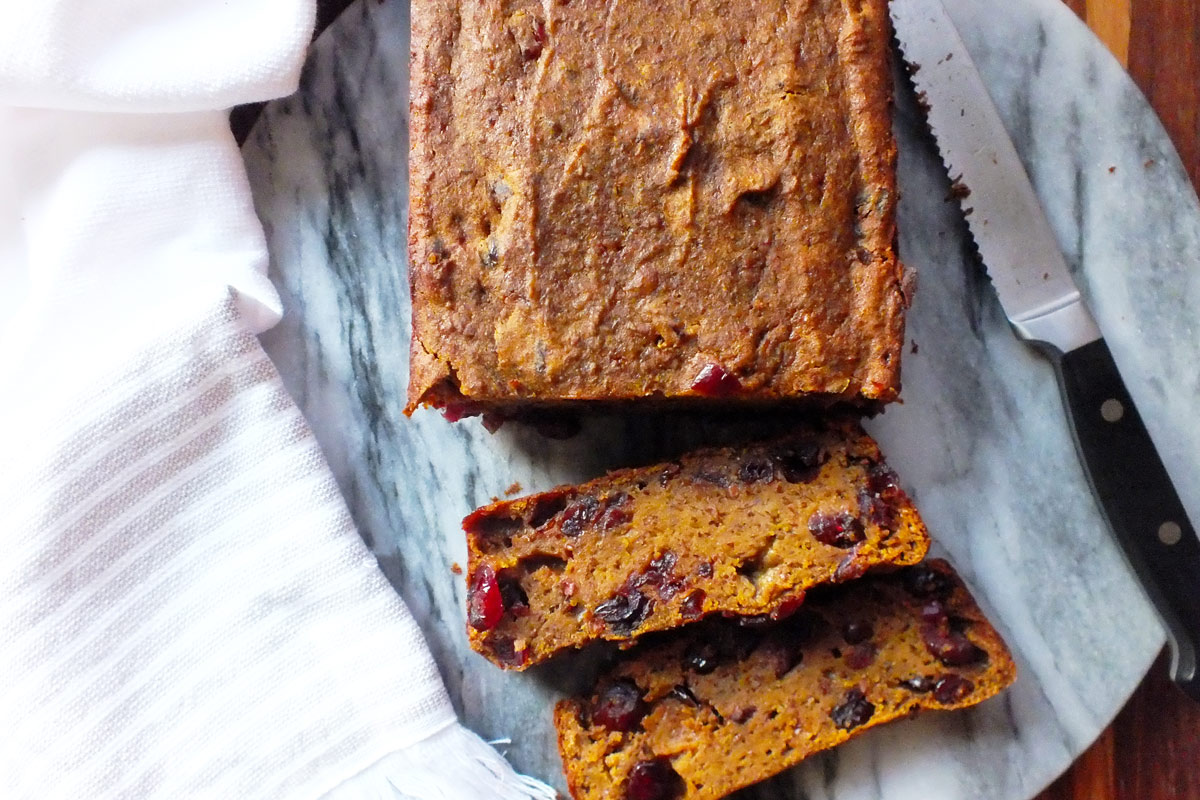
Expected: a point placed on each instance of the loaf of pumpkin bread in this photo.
(743, 531)
(652, 200)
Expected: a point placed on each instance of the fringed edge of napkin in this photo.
(452, 764)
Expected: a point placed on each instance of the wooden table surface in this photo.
(1152, 750)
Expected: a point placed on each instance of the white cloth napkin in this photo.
(185, 607)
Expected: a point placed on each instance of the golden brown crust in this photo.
(608, 198)
(766, 699)
(735, 530)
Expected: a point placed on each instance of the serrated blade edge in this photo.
(1002, 209)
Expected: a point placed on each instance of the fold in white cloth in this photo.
(185, 607)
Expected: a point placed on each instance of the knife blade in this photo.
(1045, 308)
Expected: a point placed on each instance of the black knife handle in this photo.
(1137, 497)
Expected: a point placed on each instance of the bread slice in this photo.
(743, 531)
(703, 711)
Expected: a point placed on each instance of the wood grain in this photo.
(1152, 750)
(1111, 20)
(1164, 59)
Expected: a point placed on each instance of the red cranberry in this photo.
(879, 500)
(534, 47)
(949, 646)
(493, 421)
(860, 656)
(545, 509)
(460, 409)
(952, 688)
(654, 779)
(713, 476)
(756, 469)
(660, 569)
(485, 607)
(919, 684)
(701, 657)
(512, 595)
(579, 515)
(881, 479)
(616, 511)
(837, 530)
(619, 707)
(704, 569)
(668, 472)
(625, 611)
(800, 461)
(934, 612)
(781, 652)
(853, 711)
(693, 605)
(507, 653)
(785, 609)
(714, 381)
(924, 581)
(849, 568)
(857, 632)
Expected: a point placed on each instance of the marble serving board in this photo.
(981, 441)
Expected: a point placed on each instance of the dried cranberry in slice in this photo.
(879, 499)
(512, 595)
(919, 684)
(853, 711)
(756, 469)
(714, 381)
(704, 569)
(493, 421)
(654, 779)
(693, 605)
(713, 476)
(545, 509)
(668, 472)
(660, 569)
(952, 688)
(616, 511)
(781, 652)
(857, 632)
(457, 410)
(701, 657)
(619, 707)
(881, 479)
(579, 515)
(507, 652)
(949, 646)
(934, 612)
(849, 568)
(625, 611)
(837, 530)
(924, 581)
(800, 461)
(860, 656)
(485, 606)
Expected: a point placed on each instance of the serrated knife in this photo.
(1045, 308)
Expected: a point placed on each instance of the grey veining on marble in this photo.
(980, 441)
